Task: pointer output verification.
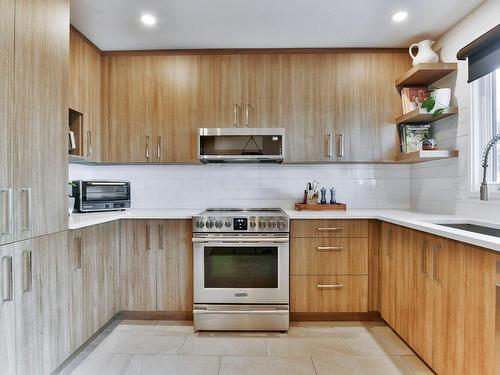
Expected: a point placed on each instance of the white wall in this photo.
(443, 186)
(202, 186)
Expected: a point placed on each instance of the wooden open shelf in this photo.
(420, 116)
(425, 74)
(426, 155)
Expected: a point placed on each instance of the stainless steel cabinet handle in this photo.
(7, 229)
(6, 278)
(330, 229)
(329, 286)
(236, 111)
(330, 248)
(435, 261)
(330, 145)
(247, 114)
(89, 143)
(341, 146)
(423, 259)
(78, 254)
(29, 213)
(27, 272)
(148, 237)
(160, 237)
(158, 149)
(148, 154)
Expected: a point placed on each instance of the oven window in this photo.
(241, 267)
(106, 192)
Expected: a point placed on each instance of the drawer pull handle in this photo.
(330, 229)
(329, 286)
(330, 248)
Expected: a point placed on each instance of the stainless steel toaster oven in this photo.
(101, 195)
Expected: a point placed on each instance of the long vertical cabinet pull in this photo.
(148, 237)
(236, 115)
(389, 244)
(423, 258)
(27, 271)
(435, 262)
(89, 144)
(160, 237)
(6, 278)
(330, 145)
(7, 225)
(148, 154)
(29, 214)
(248, 108)
(158, 148)
(78, 254)
(341, 146)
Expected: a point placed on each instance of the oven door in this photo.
(98, 191)
(241, 270)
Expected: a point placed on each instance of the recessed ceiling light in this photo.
(399, 16)
(148, 19)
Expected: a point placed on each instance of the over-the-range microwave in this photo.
(101, 195)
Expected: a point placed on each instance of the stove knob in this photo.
(219, 224)
(281, 224)
(253, 224)
(262, 224)
(227, 224)
(272, 224)
(199, 224)
(209, 224)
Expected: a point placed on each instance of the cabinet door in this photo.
(41, 116)
(448, 273)
(7, 310)
(54, 299)
(6, 119)
(388, 277)
(174, 266)
(262, 87)
(130, 108)
(219, 91)
(138, 265)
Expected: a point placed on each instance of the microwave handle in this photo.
(107, 183)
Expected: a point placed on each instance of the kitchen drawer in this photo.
(349, 295)
(329, 256)
(329, 228)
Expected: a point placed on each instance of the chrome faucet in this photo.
(484, 185)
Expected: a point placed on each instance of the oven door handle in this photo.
(241, 240)
(236, 312)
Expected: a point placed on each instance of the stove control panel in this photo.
(262, 223)
(240, 223)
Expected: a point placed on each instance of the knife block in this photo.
(312, 200)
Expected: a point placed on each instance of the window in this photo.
(485, 125)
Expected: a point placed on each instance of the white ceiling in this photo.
(115, 25)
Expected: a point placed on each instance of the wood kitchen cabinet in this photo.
(85, 92)
(93, 265)
(439, 295)
(35, 305)
(156, 265)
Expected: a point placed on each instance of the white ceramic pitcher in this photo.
(425, 53)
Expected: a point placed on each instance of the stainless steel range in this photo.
(241, 270)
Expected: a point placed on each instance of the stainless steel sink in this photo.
(481, 229)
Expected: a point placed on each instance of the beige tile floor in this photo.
(170, 347)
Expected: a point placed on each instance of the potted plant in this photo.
(437, 102)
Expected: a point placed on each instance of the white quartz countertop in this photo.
(419, 221)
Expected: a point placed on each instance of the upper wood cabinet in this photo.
(33, 96)
(6, 120)
(333, 106)
(85, 92)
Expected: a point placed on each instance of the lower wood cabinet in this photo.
(35, 305)
(93, 265)
(439, 296)
(156, 265)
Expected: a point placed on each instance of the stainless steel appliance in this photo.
(101, 195)
(241, 270)
(241, 145)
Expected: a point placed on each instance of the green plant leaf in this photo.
(428, 104)
(438, 112)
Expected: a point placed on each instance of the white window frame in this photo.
(483, 112)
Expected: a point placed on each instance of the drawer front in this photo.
(329, 228)
(329, 293)
(329, 256)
